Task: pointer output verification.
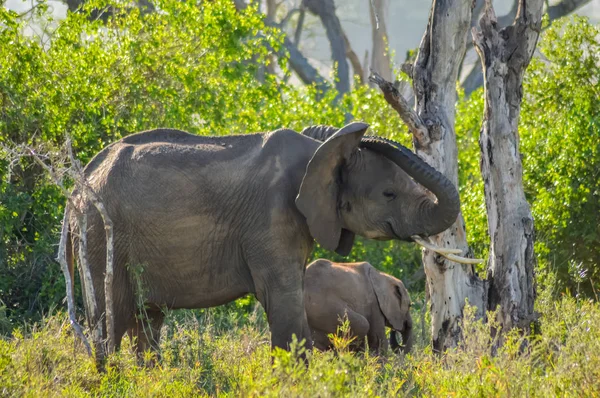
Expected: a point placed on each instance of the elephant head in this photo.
(372, 187)
(394, 303)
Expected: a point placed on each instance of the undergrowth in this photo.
(211, 355)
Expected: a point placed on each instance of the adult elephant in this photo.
(211, 219)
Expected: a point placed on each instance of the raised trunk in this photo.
(436, 217)
(505, 54)
(435, 73)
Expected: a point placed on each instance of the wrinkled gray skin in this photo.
(370, 299)
(211, 219)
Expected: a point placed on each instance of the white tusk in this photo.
(427, 244)
(463, 260)
(450, 254)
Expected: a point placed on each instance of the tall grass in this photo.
(219, 353)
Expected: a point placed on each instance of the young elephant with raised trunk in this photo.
(370, 299)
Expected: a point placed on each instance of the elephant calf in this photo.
(371, 299)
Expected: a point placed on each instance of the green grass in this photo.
(223, 353)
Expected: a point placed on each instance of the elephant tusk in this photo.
(427, 244)
(450, 254)
(462, 260)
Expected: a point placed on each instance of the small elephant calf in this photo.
(371, 299)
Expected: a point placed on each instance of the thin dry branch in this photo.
(400, 105)
(299, 25)
(78, 176)
(108, 228)
(62, 259)
(90, 296)
(57, 178)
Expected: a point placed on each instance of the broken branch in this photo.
(400, 105)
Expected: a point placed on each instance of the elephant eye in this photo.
(390, 195)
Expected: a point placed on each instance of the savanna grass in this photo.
(219, 353)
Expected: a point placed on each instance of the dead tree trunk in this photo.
(435, 73)
(380, 55)
(505, 54)
(474, 79)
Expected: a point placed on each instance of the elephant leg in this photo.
(321, 340)
(330, 317)
(378, 342)
(286, 315)
(145, 334)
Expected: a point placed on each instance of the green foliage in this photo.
(560, 140)
(198, 67)
(201, 358)
(189, 66)
(560, 147)
(469, 116)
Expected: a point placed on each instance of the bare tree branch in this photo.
(380, 54)
(299, 26)
(434, 73)
(83, 185)
(474, 79)
(288, 17)
(325, 10)
(62, 260)
(565, 7)
(305, 71)
(57, 178)
(406, 113)
(354, 61)
(76, 173)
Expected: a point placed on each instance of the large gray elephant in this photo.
(369, 299)
(211, 219)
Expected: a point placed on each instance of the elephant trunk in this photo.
(407, 339)
(434, 217)
(394, 344)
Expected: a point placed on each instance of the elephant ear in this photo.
(390, 302)
(318, 196)
(319, 132)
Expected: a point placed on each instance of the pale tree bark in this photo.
(474, 78)
(380, 55)
(435, 73)
(505, 54)
(76, 173)
(58, 176)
